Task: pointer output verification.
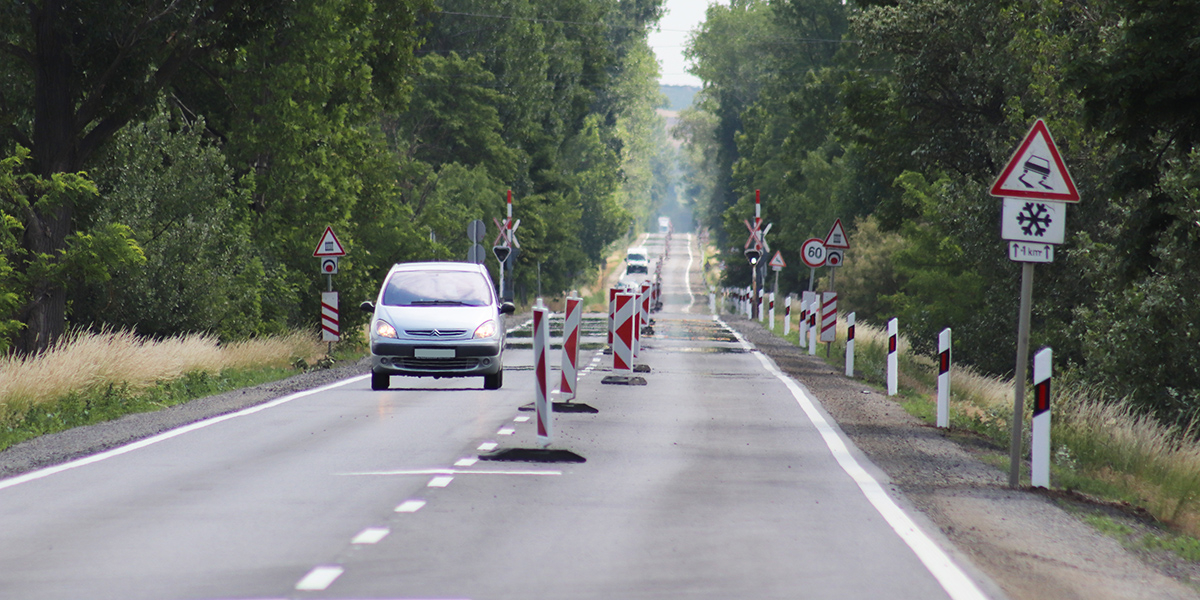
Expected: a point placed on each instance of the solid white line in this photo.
(410, 506)
(320, 578)
(370, 535)
(166, 435)
(440, 481)
(952, 578)
(487, 446)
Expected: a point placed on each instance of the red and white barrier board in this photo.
(623, 334)
(329, 317)
(828, 316)
(1039, 472)
(541, 399)
(570, 348)
(893, 361)
(850, 345)
(612, 312)
(943, 394)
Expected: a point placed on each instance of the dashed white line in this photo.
(410, 506)
(320, 578)
(522, 419)
(506, 431)
(467, 462)
(371, 535)
(487, 446)
(440, 481)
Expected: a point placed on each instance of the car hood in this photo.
(442, 318)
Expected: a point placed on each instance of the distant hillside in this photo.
(679, 96)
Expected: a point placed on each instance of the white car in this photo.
(437, 319)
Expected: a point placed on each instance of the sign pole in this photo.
(1014, 451)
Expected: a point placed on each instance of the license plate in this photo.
(433, 352)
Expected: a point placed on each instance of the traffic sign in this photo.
(501, 252)
(812, 252)
(1031, 253)
(837, 237)
(1033, 221)
(834, 257)
(329, 265)
(476, 230)
(1036, 170)
(329, 245)
(777, 261)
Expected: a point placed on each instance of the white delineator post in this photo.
(787, 314)
(850, 345)
(623, 335)
(762, 303)
(806, 300)
(943, 394)
(1039, 473)
(893, 361)
(570, 348)
(814, 309)
(771, 312)
(541, 400)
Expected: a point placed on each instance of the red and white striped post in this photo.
(787, 313)
(612, 313)
(893, 362)
(943, 397)
(570, 348)
(329, 317)
(828, 317)
(850, 345)
(771, 312)
(1039, 473)
(814, 309)
(623, 334)
(541, 400)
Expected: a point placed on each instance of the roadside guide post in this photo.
(1035, 188)
(893, 362)
(328, 251)
(1039, 473)
(943, 389)
(850, 345)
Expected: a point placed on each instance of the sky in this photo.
(680, 18)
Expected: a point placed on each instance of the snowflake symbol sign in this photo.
(1034, 219)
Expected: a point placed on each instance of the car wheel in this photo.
(493, 382)
(380, 381)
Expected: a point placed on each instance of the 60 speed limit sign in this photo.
(813, 253)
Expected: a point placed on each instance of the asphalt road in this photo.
(720, 478)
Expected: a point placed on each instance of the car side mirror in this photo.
(507, 308)
(367, 306)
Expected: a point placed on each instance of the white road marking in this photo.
(410, 506)
(521, 419)
(951, 577)
(440, 481)
(162, 437)
(467, 462)
(370, 535)
(320, 578)
(506, 431)
(487, 446)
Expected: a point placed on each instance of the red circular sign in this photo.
(813, 252)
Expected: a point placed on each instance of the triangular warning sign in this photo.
(1036, 170)
(777, 261)
(329, 245)
(837, 237)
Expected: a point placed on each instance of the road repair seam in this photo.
(948, 574)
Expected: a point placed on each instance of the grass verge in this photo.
(1101, 446)
(88, 378)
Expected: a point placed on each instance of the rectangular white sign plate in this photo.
(433, 352)
(1042, 221)
(1027, 252)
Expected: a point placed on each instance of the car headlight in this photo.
(385, 329)
(487, 330)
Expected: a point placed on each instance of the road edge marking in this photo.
(169, 434)
(957, 584)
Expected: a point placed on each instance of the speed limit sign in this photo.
(813, 253)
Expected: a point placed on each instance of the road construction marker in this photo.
(541, 398)
(570, 348)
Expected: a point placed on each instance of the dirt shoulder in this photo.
(1032, 544)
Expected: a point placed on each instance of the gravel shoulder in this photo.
(1027, 541)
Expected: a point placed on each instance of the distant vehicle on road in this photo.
(637, 261)
(664, 224)
(437, 319)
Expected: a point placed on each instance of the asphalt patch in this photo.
(534, 455)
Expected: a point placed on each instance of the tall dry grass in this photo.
(83, 360)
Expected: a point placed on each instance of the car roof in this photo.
(439, 266)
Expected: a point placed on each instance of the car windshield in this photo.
(437, 288)
(636, 257)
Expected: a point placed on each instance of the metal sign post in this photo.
(329, 249)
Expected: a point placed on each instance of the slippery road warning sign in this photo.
(1036, 171)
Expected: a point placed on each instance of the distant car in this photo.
(636, 261)
(437, 319)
